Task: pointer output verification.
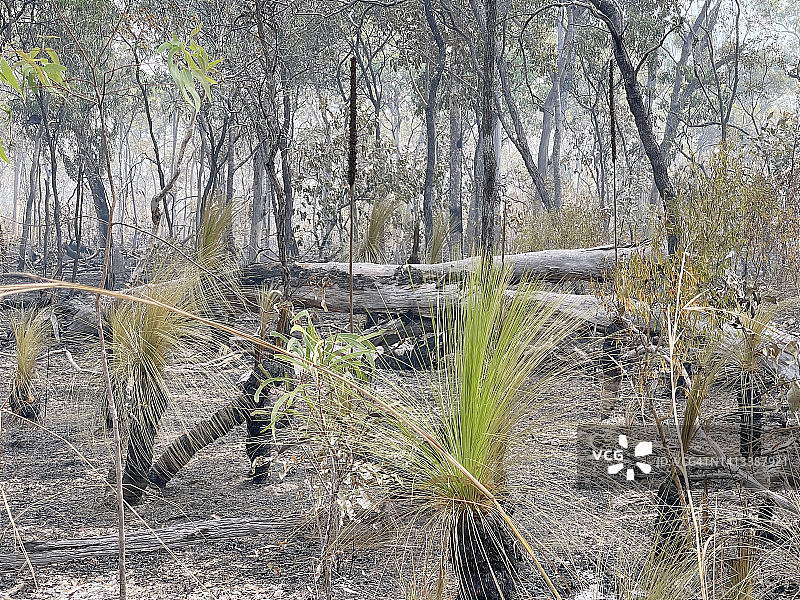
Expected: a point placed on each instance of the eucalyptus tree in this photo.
(435, 69)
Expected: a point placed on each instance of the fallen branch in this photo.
(145, 540)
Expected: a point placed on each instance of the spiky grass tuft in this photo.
(436, 243)
(144, 339)
(371, 247)
(31, 335)
(496, 340)
(215, 262)
(213, 246)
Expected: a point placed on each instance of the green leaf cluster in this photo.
(189, 64)
(39, 68)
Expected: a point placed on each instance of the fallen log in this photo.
(582, 264)
(42, 553)
(397, 290)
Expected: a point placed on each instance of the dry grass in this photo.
(31, 333)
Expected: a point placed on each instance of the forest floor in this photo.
(54, 480)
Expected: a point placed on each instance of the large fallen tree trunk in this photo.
(396, 289)
(387, 289)
(145, 540)
(583, 264)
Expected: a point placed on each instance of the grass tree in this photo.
(145, 337)
(31, 334)
(497, 342)
(371, 248)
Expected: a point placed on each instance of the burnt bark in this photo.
(612, 17)
(430, 122)
(454, 192)
(33, 188)
(100, 199)
(489, 190)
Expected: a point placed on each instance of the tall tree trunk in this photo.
(548, 114)
(230, 171)
(100, 199)
(515, 131)
(230, 167)
(200, 161)
(286, 223)
(613, 20)
(559, 79)
(430, 123)
(489, 195)
(32, 190)
(18, 167)
(46, 245)
(169, 216)
(51, 144)
(676, 96)
(456, 144)
(259, 207)
(78, 221)
(473, 221)
(558, 117)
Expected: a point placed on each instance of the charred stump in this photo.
(483, 554)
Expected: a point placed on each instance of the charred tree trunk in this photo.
(612, 17)
(489, 192)
(749, 397)
(670, 531)
(46, 241)
(143, 426)
(183, 449)
(259, 205)
(430, 122)
(285, 222)
(483, 554)
(33, 188)
(18, 167)
(456, 156)
(98, 189)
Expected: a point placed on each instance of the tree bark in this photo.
(561, 61)
(183, 449)
(548, 113)
(259, 207)
(456, 154)
(18, 166)
(613, 20)
(41, 553)
(33, 188)
(51, 143)
(430, 123)
(284, 139)
(473, 217)
(489, 192)
(98, 189)
(551, 265)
